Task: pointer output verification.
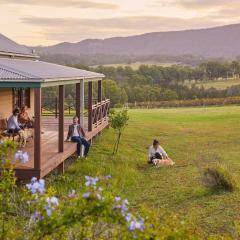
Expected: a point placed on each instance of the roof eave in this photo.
(11, 54)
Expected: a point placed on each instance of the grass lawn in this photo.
(194, 138)
(221, 84)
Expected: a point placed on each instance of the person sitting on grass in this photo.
(76, 134)
(157, 155)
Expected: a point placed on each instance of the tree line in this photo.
(158, 83)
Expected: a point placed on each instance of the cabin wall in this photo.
(6, 103)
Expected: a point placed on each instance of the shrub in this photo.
(118, 105)
(218, 178)
(118, 121)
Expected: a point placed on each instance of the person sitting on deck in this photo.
(13, 127)
(157, 155)
(24, 118)
(77, 134)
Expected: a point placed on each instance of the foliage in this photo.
(94, 213)
(219, 178)
(188, 103)
(118, 121)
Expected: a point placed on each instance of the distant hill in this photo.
(218, 42)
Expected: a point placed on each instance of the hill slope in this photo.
(208, 43)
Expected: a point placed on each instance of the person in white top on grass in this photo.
(156, 152)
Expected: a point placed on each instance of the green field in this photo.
(220, 84)
(194, 138)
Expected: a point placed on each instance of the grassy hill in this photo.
(194, 138)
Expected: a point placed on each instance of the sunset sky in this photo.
(47, 22)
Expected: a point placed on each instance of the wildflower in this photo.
(21, 156)
(108, 177)
(117, 199)
(136, 225)
(52, 203)
(72, 194)
(91, 181)
(36, 186)
(34, 217)
(86, 195)
(128, 217)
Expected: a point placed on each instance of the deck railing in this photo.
(100, 112)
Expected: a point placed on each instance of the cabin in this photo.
(23, 77)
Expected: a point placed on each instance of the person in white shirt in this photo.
(13, 127)
(156, 152)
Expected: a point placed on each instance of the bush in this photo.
(118, 105)
(218, 179)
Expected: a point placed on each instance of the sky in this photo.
(48, 22)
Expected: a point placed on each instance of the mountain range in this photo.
(217, 42)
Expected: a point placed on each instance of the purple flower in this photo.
(72, 194)
(36, 186)
(52, 203)
(91, 181)
(21, 156)
(35, 216)
(108, 177)
(117, 199)
(86, 195)
(136, 225)
(128, 217)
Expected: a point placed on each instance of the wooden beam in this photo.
(61, 119)
(78, 96)
(82, 103)
(37, 128)
(99, 90)
(90, 103)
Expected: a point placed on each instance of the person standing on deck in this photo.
(76, 134)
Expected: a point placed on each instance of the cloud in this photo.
(63, 3)
(75, 29)
(201, 4)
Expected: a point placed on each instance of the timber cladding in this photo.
(6, 102)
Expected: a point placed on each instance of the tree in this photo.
(118, 121)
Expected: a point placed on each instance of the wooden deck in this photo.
(51, 158)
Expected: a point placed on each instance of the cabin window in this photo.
(21, 97)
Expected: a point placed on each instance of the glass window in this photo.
(21, 97)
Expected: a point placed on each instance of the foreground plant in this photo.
(8, 181)
(95, 212)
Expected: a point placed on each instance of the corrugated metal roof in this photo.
(34, 70)
(9, 75)
(9, 46)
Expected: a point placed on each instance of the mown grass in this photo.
(194, 138)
